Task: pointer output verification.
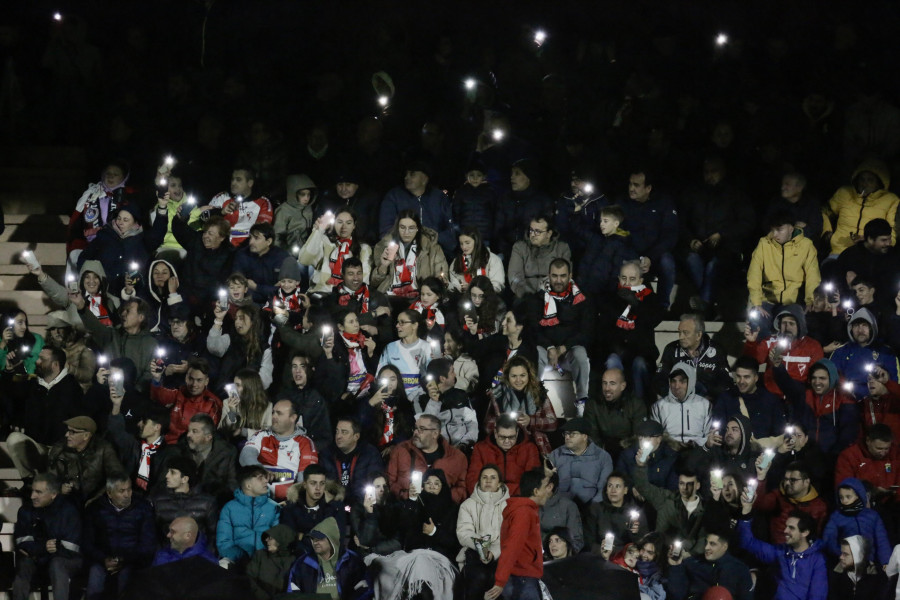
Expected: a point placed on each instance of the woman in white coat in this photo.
(333, 239)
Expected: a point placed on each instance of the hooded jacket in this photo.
(744, 460)
(529, 265)
(686, 421)
(778, 271)
(798, 358)
(582, 477)
(832, 419)
(293, 221)
(522, 552)
(695, 575)
(479, 515)
(242, 523)
(713, 375)
(854, 359)
(865, 581)
(349, 569)
(852, 212)
(268, 571)
(158, 319)
(598, 270)
(513, 463)
(801, 575)
(866, 522)
(59, 295)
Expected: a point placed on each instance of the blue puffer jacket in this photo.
(866, 523)
(59, 520)
(169, 554)
(129, 533)
(582, 477)
(433, 208)
(802, 575)
(242, 523)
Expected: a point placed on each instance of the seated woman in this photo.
(481, 310)
(558, 544)
(246, 409)
(431, 296)
(409, 253)
(474, 259)
(649, 565)
(353, 357)
(429, 516)
(374, 519)
(80, 360)
(478, 530)
(492, 352)
(246, 347)
(92, 283)
(159, 290)
(18, 345)
(521, 392)
(386, 416)
(332, 241)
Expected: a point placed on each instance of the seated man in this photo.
(690, 577)
(795, 492)
(185, 541)
(874, 258)
(307, 507)
(179, 499)
(765, 411)
(856, 359)
(531, 257)
(614, 417)
(696, 348)
(683, 413)
(328, 569)
(427, 450)
(582, 465)
(213, 457)
(48, 537)
(871, 460)
(190, 399)
(508, 446)
(351, 462)
(282, 450)
(244, 519)
(82, 461)
(450, 404)
(660, 457)
(260, 262)
(118, 536)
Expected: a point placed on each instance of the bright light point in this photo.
(134, 266)
(588, 188)
(498, 135)
(470, 84)
(383, 100)
(721, 39)
(57, 16)
(848, 386)
(191, 200)
(754, 314)
(769, 452)
(870, 367)
(384, 382)
(326, 329)
(296, 249)
(169, 161)
(540, 36)
(467, 306)
(847, 304)
(829, 287)
(223, 293)
(160, 352)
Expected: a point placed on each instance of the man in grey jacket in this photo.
(583, 466)
(560, 511)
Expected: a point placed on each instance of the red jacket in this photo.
(778, 507)
(522, 457)
(803, 353)
(856, 461)
(883, 410)
(406, 458)
(184, 407)
(521, 551)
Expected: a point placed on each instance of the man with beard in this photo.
(736, 450)
(351, 462)
(765, 411)
(213, 457)
(683, 413)
(690, 577)
(874, 258)
(794, 492)
(856, 359)
(614, 418)
(190, 399)
(427, 450)
(791, 344)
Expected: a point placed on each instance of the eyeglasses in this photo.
(508, 438)
(406, 229)
(794, 479)
(75, 431)
(537, 231)
(422, 429)
(399, 322)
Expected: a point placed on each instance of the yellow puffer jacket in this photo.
(852, 212)
(777, 272)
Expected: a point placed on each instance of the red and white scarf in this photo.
(359, 378)
(625, 321)
(467, 262)
(550, 298)
(147, 452)
(340, 252)
(361, 295)
(98, 309)
(433, 315)
(403, 282)
(387, 434)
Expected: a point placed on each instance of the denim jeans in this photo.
(663, 266)
(521, 588)
(576, 361)
(703, 273)
(640, 373)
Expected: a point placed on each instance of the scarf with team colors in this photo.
(467, 264)
(361, 295)
(625, 321)
(433, 315)
(340, 252)
(404, 280)
(550, 317)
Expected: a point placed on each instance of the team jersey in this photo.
(287, 459)
(411, 360)
(248, 213)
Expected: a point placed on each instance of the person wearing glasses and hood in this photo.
(858, 358)
(683, 413)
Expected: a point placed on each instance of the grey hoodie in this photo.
(686, 421)
(796, 311)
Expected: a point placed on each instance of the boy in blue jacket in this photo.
(854, 517)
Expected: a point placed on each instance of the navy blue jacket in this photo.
(127, 534)
(116, 253)
(362, 464)
(60, 520)
(653, 224)
(660, 466)
(350, 570)
(514, 214)
(263, 270)
(433, 208)
(695, 575)
(598, 270)
(168, 554)
(476, 207)
(766, 411)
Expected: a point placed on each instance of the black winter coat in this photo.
(202, 270)
(475, 207)
(514, 215)
(38, 411)
(127, 534)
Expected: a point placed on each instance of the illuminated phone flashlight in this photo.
(434, 344)
(11, 322)
(160, 353)
(721, 39)
(789, 430)
(497, 134)
(754, 314)
(540, 36)
(117, 376)
(296, 249)
(608, 540)
(133, 266)
(588, 188)
(829, 287)
(329, 216)
(24, 350)
(169, 161)
(752, 484)
(848, 386)
(847, 304)
(767, 456)
(384, 382)
(370, 492)
(415, 478)
(716, 425)
(513, 415)
(223, 293)
(715, 478)
(57, 16)
(229, 387)
(101, 359)
(163, 181)
(383, 101)
(191, 200)
(470, 83)
(677, 548)
(429, 377)
(467, 305)
(393, 245)
(870, 367)
(326, 331)
(635, 515)
(239, 198)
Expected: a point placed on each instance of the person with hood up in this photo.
(855, 577)
(519, 207)
(690, 576)
(333, 240)
(782, 263)
(429, 203)
(829, 415)
(480, 518)
(598, 269)
(683, 413)
(853, 517)
(269, 567)
(328, 569)
(802, 574)
(92, 284)
(294, 218)
(859, 357)
(735, 451)
(532, 255)
(159, 291)
(695, 347)
(853, 206)
(790, 344)
(430, 515)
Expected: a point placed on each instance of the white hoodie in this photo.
(688, 420)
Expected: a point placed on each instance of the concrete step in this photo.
(47, 253)
(34, 228)
(34, 303)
